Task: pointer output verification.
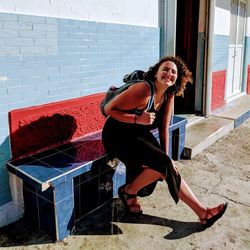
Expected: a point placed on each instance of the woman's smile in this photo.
(167, 74)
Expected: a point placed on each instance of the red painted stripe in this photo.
(248, 79)
(218, 89)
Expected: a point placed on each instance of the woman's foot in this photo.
(213, 214)
(129, 201)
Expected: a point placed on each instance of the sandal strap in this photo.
(124, 196)
(129, 196)
(208, 212)
(206, 215)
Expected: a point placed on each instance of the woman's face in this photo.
(167, 74)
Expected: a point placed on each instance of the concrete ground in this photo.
(220, 173)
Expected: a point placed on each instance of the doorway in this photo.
(186, 48)
(236, 48)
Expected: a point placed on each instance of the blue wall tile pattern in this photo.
(44, 59)
(220, 52)
(246, 61)
(247, 50)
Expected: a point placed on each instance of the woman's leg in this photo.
(148, 152)
(204, 213)
(148, 176)
(187, 196)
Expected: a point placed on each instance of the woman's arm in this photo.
(135, 97)
(164, 129)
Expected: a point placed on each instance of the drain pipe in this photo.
(207, 81)
(167, 22)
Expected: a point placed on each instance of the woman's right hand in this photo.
(146, 118)
(175, 167)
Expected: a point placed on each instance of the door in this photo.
(236, 48)
(186, 48)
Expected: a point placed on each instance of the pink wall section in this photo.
(248, 80)
(218, 89)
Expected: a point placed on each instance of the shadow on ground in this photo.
(100, 222)
(21, 233)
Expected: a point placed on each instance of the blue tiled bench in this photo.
(63, 184)
(70, 176)
(177, 131)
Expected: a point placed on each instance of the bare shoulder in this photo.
(140, 88)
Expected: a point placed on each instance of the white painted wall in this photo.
(222, 17)
(222, 21)
(248, 19)
(139, 12)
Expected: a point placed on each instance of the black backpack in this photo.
(128, 79)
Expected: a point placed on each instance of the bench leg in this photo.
(51, 210)
(64, 209)
(170, 144)
(178, 142)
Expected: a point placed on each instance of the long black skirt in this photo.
(136, 146)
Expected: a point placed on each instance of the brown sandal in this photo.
(124, 196)
(209, 222)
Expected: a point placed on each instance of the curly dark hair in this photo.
(184, 75)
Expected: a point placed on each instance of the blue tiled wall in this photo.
(220, 52)
(45, 59)
(246, 61)
(247, 50)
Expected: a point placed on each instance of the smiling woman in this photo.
(128, 136)
(165, 78)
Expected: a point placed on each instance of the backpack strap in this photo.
(152, 89)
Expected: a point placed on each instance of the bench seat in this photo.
(56, 165)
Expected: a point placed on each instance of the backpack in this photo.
(128, 79)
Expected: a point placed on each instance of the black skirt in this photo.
(136, 146)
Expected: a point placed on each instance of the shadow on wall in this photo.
(41, 134)
(5, 150)
(5, 193)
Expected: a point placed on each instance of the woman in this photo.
(128, 136)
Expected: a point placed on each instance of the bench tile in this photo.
(39, 211)
(40, 171)
(86, 151)
(44, 154)
(61, 162)
(93, 192)
(46, 194)
(65, 217)
(63, 191)
(51, 210)
(22, 161)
